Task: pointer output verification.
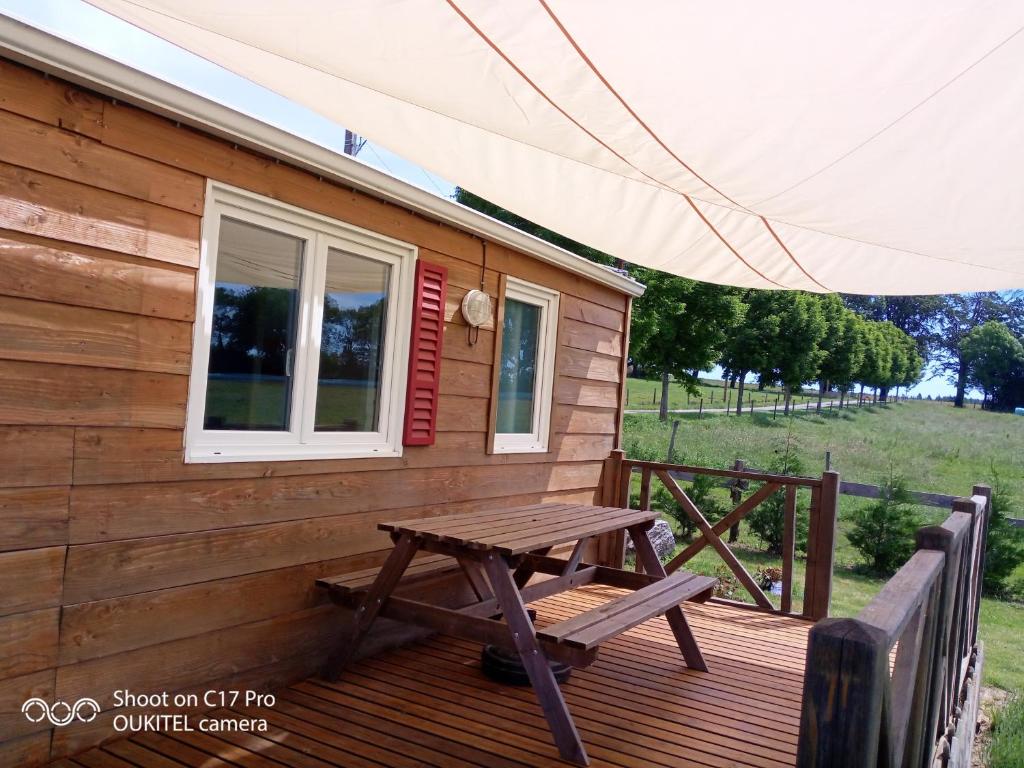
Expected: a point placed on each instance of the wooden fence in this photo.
(846, 488)
(824, 492)
(897, 685)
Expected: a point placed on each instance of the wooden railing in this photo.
(897, 685)
(820, 537)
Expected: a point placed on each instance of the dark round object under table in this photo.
(507, 668)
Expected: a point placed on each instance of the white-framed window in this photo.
(529, 335)
(300, 348)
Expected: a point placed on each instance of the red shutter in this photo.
(425, 354)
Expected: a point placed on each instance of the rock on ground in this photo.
(661, 537)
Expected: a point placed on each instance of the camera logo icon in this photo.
(60, 713)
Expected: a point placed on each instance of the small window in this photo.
(526, 368)
(297, 349)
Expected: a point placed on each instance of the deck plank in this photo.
(428, 704)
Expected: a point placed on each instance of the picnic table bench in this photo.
(500, 551)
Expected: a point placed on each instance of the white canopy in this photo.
(875, 147)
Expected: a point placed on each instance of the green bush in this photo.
(640, 450)
(767, 520)
(1006, 750)
(665, 502)
(702, 493)
(1004, 548)
(883, 532)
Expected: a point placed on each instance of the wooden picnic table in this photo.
(499, 551)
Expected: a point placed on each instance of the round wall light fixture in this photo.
(476, 308)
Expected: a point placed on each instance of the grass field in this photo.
(934, 446)
(1006, 749)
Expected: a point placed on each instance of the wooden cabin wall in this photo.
(121, 567)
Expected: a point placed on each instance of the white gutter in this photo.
(62, 58)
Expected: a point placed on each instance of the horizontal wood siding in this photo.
(120, 565)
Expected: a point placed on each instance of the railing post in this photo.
(788, 548)
(968, 591)
(919, 742)
(645, 489)
(610, 477)
(645, 498)
(942, 539)
(986, 492)
(612, 546)
(844, 690)
(821, 539)
(736, 494)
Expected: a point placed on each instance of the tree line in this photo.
(786, 338)
(974, 340)
(793, 339)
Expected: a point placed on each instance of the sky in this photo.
(83, 24)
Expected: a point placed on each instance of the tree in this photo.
(795, 354)
(843, 347)
(907, 362)
(351, 340)
(747, 348)
(960, 314)
(883, 532)
(1009, 393)
(890, 360)
(679, 326)
(914, 315)
(253, 330)
(991, 355)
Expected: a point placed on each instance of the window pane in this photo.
(352, 343)
(255, 311)
(518, 367)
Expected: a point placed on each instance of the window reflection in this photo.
(516, 387)
(352, 343)
(255, 313)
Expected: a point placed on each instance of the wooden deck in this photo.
(428, 704)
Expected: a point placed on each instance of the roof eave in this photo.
(62, 58)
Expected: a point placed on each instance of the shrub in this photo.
(701, 493)
(767, 520)
(1006, 749)
(883, 532)
(665, 502)
(1004, 548)
(640, 450)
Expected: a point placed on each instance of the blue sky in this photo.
(81, 23)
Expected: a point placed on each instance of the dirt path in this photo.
(760, 408)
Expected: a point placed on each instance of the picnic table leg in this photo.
(676, 620)
(524, 573)
(476, 579)
(370, 606)
(524, 636)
